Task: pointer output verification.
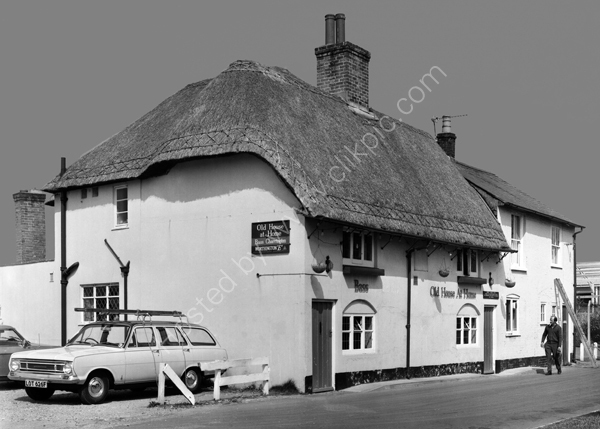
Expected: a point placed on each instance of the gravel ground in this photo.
(64, 409)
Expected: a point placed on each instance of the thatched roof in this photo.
(499, 192)
(405, 184)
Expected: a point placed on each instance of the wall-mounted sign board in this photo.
(271, 237)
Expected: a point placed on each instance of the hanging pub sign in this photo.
(271, 237)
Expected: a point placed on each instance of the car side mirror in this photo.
(25, 344)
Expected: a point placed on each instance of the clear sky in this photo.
(73, 73)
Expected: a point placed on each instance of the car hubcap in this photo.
(96, 387)
(191, 379)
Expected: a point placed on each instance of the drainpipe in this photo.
(63, 258)
(408, 305)
(575, 283)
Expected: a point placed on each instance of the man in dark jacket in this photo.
(554, 334)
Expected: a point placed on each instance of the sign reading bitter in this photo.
(271, 237)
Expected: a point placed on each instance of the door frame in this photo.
(333, 342)
(492, 337)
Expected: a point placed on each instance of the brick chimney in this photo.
(447, 139)
(342, 67)
(31, 226)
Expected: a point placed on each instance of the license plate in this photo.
(35, 383)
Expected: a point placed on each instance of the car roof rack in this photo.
(140, 314)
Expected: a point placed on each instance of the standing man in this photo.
(554, 334)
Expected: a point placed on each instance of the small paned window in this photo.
(121, 206)
(512, 315)
(358, 248)
(517, 231)
(357, 332)
(105, 295)
(358, 327)
(555, 245)
(467, 262)
(466, 330)
(83, 193)
(543, 312)
(95, 191)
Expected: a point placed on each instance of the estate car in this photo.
(116, 355)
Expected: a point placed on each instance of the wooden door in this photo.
(488, 340)
(322, 346)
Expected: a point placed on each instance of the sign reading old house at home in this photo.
(271, 237)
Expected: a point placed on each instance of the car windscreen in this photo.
(105, 335)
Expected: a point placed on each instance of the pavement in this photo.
(392, 384)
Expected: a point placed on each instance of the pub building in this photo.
(297, 222)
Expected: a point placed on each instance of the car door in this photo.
(172, 348)
(142, 356)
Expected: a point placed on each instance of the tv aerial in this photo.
(437, 118)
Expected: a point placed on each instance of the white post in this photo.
(217, 393)
(581, 355)
(595, 350)
(161, 384)
(266, 371)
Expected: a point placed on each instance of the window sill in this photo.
(513, 335)
(359, 270)
(556, 267)
(358, 352)
(465, 280)
(519, 269)
(467, 346)
(117, 228)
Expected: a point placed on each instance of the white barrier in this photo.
(165, 369)
(221, 365)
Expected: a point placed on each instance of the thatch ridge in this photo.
(397, 180)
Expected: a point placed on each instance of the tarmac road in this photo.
(523, 398)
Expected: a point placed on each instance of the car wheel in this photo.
(39, 394)
(95, 390)
(192, 379)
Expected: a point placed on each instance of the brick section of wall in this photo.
(448, 142)
(343, 70)
(31, 226)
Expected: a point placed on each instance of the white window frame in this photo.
(348, 257)
(543, 310)
(513, 321)
(87, 317)
(596, 292)
(555, 239)
(118, 212)
(472, 258)
(517, 241)
(470, 325)
(361, 318)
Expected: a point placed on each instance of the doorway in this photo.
(488, 340)
(322, 335)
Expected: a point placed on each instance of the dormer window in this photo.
(358, 248)
(467, 263)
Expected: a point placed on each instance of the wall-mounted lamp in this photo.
(491, 280)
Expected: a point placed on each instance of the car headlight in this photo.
(15, 365)
(68, 368)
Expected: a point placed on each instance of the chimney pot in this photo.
(330, 29)
(340, 28)
(446, 124)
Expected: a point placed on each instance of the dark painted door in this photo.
(321, 345)
(565, 329)
(488, 340)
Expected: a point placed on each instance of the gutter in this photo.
(63, 258)
(575, 282)
(408, 307)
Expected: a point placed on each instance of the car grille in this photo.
(42, 366)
